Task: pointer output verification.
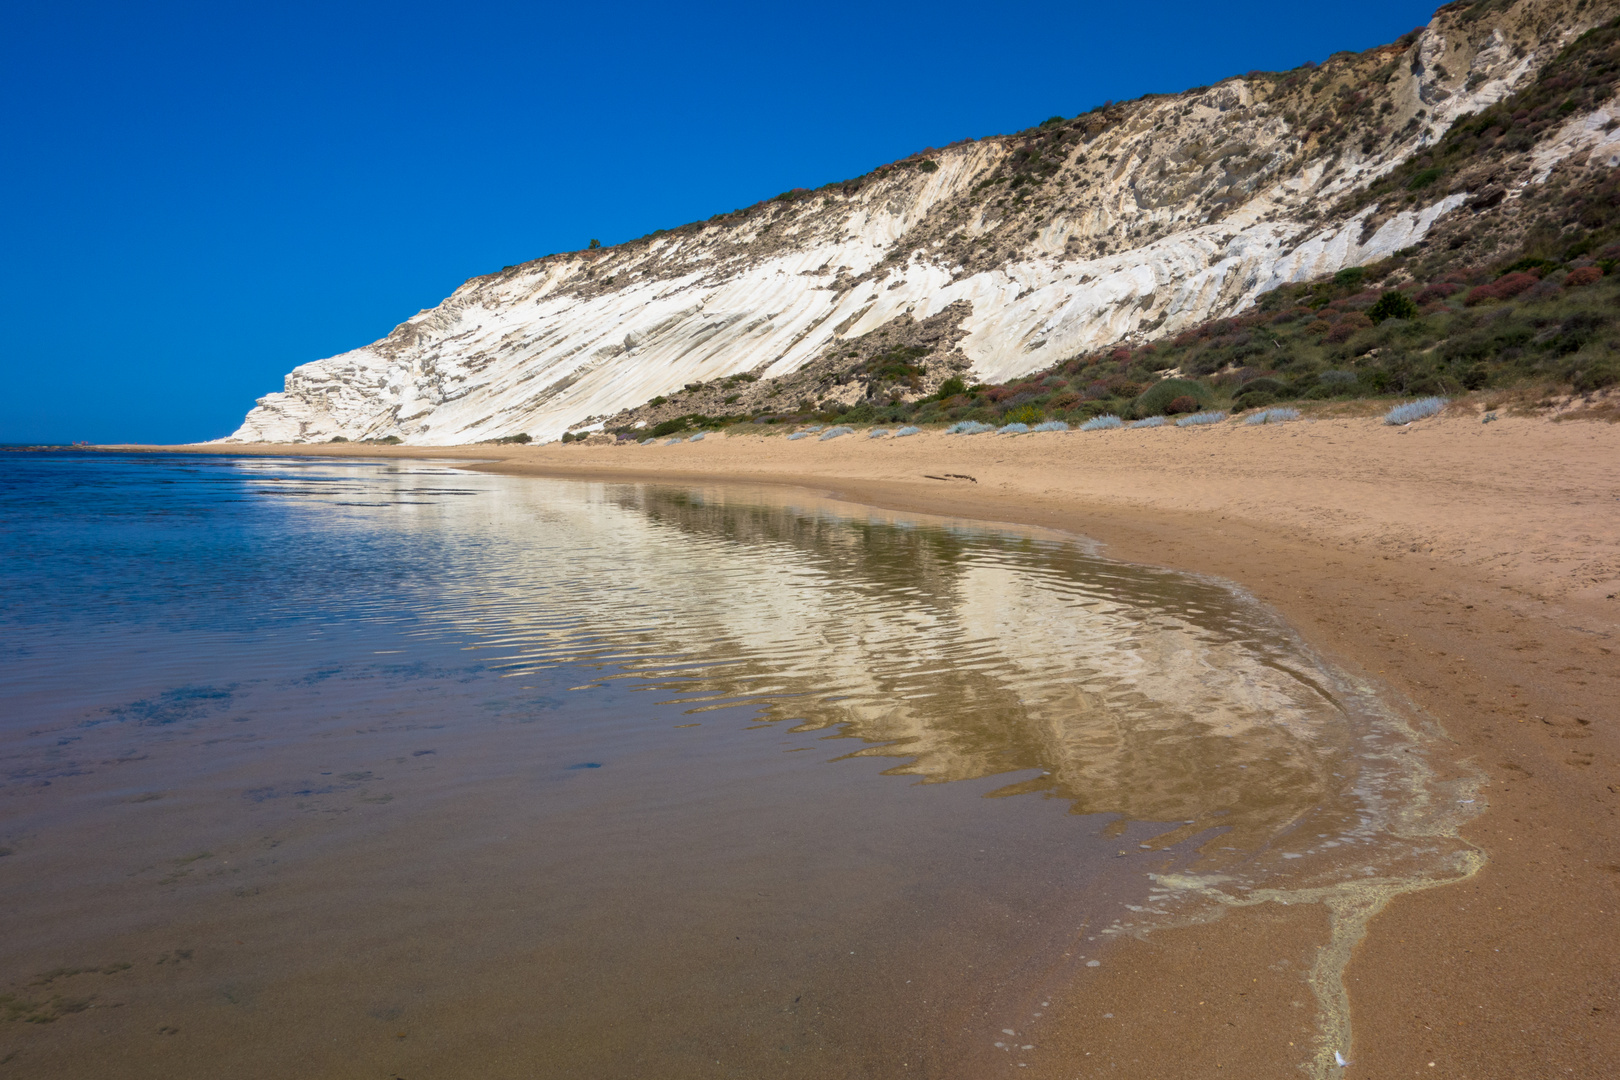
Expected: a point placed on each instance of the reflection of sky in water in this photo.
(962, 652)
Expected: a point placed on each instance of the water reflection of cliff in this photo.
(963, 653)
(971, 653)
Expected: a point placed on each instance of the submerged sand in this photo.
(1470, 570)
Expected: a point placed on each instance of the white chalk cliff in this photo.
(1129, 222)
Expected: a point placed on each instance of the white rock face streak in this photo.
(1127, 223)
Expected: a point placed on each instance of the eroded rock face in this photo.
(1125, 223)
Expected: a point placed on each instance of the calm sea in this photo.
(349, 769)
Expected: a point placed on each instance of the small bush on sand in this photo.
(1197, 419)
(798, 435)
(1272, 416)
(834, 432)
(903, 432)
(968, 427)
(1051, 425)
(1013, 429)
(877, 433)
(1414, 410)
(1102, 423)
(1151, 421)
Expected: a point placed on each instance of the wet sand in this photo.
(1471, 570)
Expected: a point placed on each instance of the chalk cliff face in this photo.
(1128, 222)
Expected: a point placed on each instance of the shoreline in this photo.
(1464, 569)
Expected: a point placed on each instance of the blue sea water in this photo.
(322, 767)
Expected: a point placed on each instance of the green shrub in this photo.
(1392, 305)
(1261, 385)
(1424, 178)
(1350, 276)
(1154, 399)
(950, 388)
(1024, 414)
(1596, 377)
(669, 427)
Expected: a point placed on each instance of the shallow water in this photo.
(368, 768)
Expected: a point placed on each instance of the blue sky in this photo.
(199, 197)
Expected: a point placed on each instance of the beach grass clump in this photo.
(672, 442)
(1151, 421)
(698, 437)
(877, 433)
(1272, 416)
(1051, 425)
(1414, 410)
(1013, 429)
(1197, 419)
(649, 441)
(908, 430)
(1102, 423)
(968, 427)
(799, 435)
(834, 432)
(813, 428)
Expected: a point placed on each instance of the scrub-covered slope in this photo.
(1130, 222)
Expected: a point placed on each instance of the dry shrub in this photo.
(1585, 275)
(1350, 324)
(1186, 403)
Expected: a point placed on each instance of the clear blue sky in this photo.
(199, 197)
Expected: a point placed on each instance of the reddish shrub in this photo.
(1345, 327)
(998, 393)
(1509, 285)
(1186, 403)
(1320, 326)
(1438, 291)
(1121, 354)
(1066, 399)
(1584, 276)
(1503, 288)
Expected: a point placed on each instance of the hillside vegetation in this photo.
(1518, 293)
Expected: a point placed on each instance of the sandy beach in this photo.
(1471, 570)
